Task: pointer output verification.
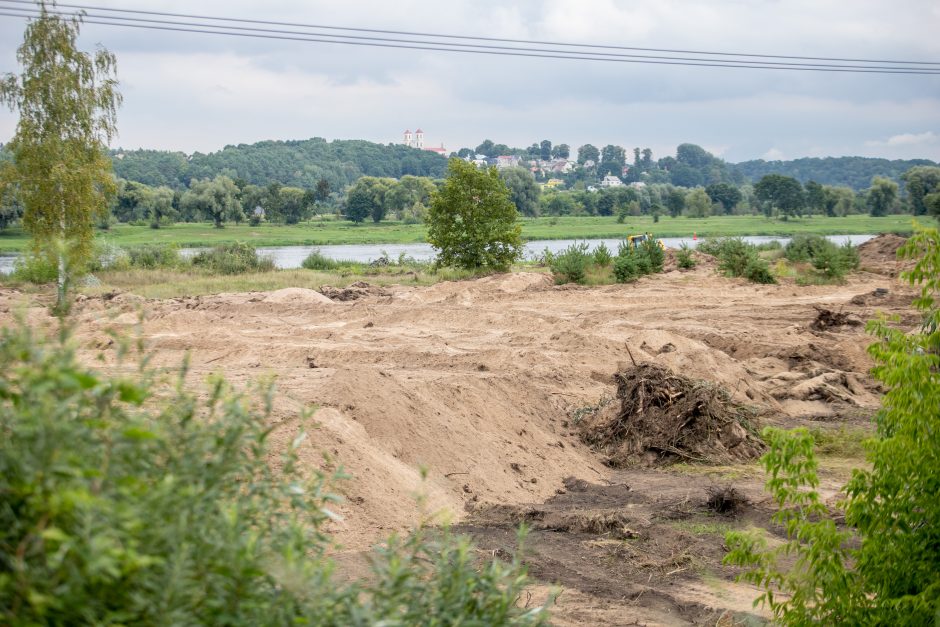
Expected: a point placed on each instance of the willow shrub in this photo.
(125, 499)
(883, 568)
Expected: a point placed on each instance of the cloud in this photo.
(907, 139)
(191, 92)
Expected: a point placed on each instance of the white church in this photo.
(416, 140)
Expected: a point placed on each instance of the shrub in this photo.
(737, 258)
(850, 256)
(807, 247)
(881, 569)
(34, 268)
(625, 266)
(154, 256)
(684, 258)
(318, 261)
(654, 253)
(126, 500)
(108, 256)
(569, 266)
(602, 255)
(237, 258)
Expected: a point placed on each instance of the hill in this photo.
(299, 163)
(854, 172)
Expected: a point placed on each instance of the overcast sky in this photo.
(194, 92)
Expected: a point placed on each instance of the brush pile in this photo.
(664, 417)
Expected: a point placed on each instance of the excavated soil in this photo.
(483, 382)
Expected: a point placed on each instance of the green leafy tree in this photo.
(367, 198)
(675, 201)
(783, 193)
(545, 150)
(561, 151)
(724, 193)
(815, 197)
(613, 159)
(404, 194)
(920, 181)
(216, 200)
(588, 152)
(67, 101)
(698, 204)
(472, 221)
(157, 204)
(881, 570)
(523, 190)
(881, 196)
(487, 148)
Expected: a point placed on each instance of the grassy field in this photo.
(341, 232)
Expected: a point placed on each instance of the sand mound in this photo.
(702, 260)
(666, 417)
(355, 291)
(880, 254)
(296, 296)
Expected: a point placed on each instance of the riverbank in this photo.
(330, 232)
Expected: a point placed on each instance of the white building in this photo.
(611, 181)
(414, 140)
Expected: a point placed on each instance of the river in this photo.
(286, 257)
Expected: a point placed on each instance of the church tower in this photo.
(419, 139)
(409, 138)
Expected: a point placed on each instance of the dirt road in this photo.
(480, 382)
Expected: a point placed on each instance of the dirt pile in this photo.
(880, 255)
(702, 260)
(827, 319)
(667, 417)
(355, 291)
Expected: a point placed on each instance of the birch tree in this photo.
(61, 173)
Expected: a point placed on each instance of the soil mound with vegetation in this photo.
(880, 254)
(667, 417)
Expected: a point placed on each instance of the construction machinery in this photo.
(635, 241)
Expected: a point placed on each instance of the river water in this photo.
(286, 257)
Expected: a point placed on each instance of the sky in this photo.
(192, 92)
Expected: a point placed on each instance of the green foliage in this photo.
(34, 268)
(472, 222)
(737, 258)
(783, 193)
(154, 256)
(125, 499)
(698, 204)
(216, 199)
(66, 100)
(651, 249)
(569, 265)
(881, 196)
(236, 258)
(684, 258)
(921, 181)
(523, 190)
(831, 261)
(602, 255)
(318, 261)
(626, 268)
(851, 172)
(888, 575)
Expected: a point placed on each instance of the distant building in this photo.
(416, 140)
(507, 161)
(611, 181)
(553, 183)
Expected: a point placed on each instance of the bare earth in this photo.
(480, 381)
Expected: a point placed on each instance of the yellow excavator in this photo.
(636, 241)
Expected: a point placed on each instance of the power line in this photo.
(475, 38)
(89, 16)
(261, 33)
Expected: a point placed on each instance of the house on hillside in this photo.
(507, 161)
(611, 181)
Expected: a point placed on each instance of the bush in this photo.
(807, 247)
(125, 500)
(684, 258)
(737, 258)
(154, 256)
(569, 266)
(34, 268)
(237, 258)
(108, 256)
(318, 261)
(651, 249)
(625, 266)
(602, 255)
(881, 567)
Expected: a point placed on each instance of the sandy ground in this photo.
(478, 382)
